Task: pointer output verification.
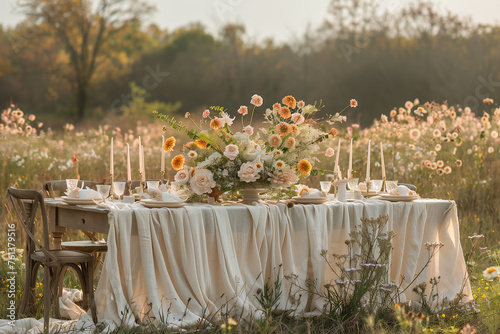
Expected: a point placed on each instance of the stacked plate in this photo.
(152, 203)
(309, 200)
(398, 198)
(77, 201)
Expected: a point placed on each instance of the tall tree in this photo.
(84, 27)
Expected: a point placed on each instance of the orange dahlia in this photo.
(295, 129)
(169, 144)
(200, 143)
(215, 124)
(283, 129)
(289, 101)
(178, 162)
(304, 167)
(285, 112)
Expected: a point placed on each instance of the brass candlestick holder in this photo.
(368, 185)
(129, 187)
(162, 177)
(111, 192)
(336, 177)
(143, 184)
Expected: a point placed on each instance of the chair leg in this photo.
(28, 303)
(90, 282)
(46, 297)
(56, 289)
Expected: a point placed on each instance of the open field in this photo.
(445, 151)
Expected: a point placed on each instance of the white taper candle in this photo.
(129, 172)
(368, 162)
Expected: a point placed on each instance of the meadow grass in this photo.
(472, 180)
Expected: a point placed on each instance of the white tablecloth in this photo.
(180, 265)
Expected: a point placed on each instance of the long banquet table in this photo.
(181, 265)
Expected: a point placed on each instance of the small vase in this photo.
(251, 195)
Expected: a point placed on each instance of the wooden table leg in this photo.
(55, 231)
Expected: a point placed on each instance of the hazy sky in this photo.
(280, 19)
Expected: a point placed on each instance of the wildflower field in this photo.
(448, 152)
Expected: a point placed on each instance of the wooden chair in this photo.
(52, 189)
(409, 186)
(55, 188)
(55, 262)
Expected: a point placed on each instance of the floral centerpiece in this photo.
(225, 156)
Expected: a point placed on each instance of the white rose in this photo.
(202, 181)
(248, 130)
(182, 176)
(231, 152)
(248, 172)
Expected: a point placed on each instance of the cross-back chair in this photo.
(55, 262)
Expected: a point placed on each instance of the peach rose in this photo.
(256, 100)
(231, 152)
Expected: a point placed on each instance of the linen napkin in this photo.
(402, 191)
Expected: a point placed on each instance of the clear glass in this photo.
(325, 186)
(175, 187)
(71, 184)
(153, 184)
(103, 190)
(391, 185)
(119, 188)
(352, 184)
(376, 186)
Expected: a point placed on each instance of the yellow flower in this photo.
(304, 167)
(178, 162)
(169, 144)
(200, 143)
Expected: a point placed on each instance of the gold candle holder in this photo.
(129, 187)
(111, 192)
(367, 185)
(384, 186)
(162, 177)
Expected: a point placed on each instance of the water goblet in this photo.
(71, 184)
(103, 190)
(352, 184)
(325, 186)
(153, 184)
(119, 188)
(391, 185)
(376, 185)
(175, 187)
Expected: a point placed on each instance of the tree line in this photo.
(80, 59)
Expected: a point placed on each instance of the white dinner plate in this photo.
(151, 203)
(397, 198)
(309, 200)
(77, 201)
(370, 194)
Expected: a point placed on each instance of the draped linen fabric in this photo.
(186, 265)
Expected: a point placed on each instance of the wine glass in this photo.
(391, 185)
(71, 184)
(325, 186)
(119, 188)
(376, 185)
(103, 190)
(352, 184)
(153, 184)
